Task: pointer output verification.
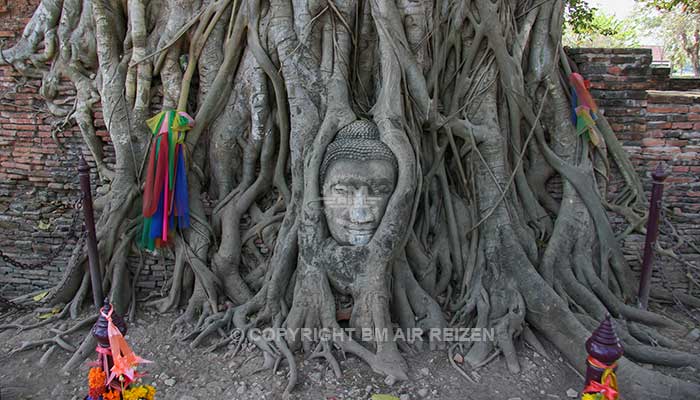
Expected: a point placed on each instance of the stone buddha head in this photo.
(358, 175)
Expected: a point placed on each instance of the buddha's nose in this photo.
(361, 213)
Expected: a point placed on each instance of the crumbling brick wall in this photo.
(38, 186)
(657, 119)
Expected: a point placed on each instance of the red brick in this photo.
(667, 109)
(694, 117)
(22, 121)
(41, 173)
(662, 150)
(653, 142)
(10, 164)
(46, 150)
(688, 156)
(23, 115)
(658, 125)
(676, 142)
(24, 127)
(4, 175)
(25, 96)
(678, 179)
(682, 125)
(48, 143)
(20, 151)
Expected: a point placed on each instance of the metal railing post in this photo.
(93, 254)
(659, 176)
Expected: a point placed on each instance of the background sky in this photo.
(621, 8)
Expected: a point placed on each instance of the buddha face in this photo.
(355, 196)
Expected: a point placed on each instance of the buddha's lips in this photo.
(360, 230)
(360, 237)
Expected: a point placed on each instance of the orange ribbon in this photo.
(605, 389)
(599, 364)
(125, 360)
(608, 382)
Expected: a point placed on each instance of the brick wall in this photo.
(657, 118)
(39, 184)
(38, 180)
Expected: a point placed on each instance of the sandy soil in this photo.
(182, 373)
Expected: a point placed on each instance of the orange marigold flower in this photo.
(96, 378)
(95, 393)
(111, 395)
(151, 392)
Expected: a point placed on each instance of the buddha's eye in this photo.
(340, 190)
(381, 189)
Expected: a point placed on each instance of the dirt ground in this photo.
(182, 373)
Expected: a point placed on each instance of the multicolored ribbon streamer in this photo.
(165, 194)
(606, 389)
(584, 109)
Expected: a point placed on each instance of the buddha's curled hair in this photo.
(359, 141)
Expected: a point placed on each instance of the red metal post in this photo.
(93, 254)
(659, 176)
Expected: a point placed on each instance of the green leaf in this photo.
(50, 314)
(40, 296)
(384, 397)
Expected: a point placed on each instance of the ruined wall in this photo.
(657, 119)
(39, 185)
